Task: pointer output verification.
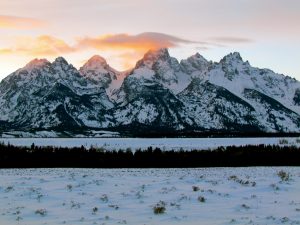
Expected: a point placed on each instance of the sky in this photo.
(265, 32)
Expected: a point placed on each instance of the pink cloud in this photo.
(20, 22)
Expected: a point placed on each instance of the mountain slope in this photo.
(236, 75)
(213, 107)
(97, 71)
(147, 97)
(49, 95)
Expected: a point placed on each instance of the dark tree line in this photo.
(80, 157)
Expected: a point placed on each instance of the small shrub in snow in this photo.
(104, 198)
(69, 187)
(9, 188)
(232, 177)
(275, 187)
(159, 208)
(138, 195)
(39, 196)
(174, 204)
(242, 182)
(201, 199)
(284, 176)
(183, 197)
(41, 212)
(95, 209)
(284, 220)
(18, 212)
(244, 206)
(195, 188)
(116, 207)
(75, 205)
(211, 191)
(270, 218)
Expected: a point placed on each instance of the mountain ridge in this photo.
(158, 94)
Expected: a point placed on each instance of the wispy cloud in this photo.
(140, 42)
(40, 46)
(129, 48)
(231, 40)
(49, 45)
(5, 51)
(126, 48)
(20, 22)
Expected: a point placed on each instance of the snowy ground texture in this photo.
(127, 196)
(144, 143)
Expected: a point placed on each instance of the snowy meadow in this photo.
(257, 195)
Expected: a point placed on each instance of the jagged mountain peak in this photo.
(62, 67)
(158, 67)
(28, 73)
(96, 61)
(36, 63)
(198, 56)
(60, 61)
(153, 56)
(195, 64)
(233, 56)
(158, 53)
(97, 64)
(98, 71)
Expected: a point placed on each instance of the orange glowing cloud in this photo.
(124, 48)
(130, 48)
(140, 42)
(48, 45)
(20, 22)
(5, 51)
(40, 46)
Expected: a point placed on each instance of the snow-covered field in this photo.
(143, 143)
(127, 196)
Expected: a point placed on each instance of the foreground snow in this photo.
(127, 196)
(144, 143)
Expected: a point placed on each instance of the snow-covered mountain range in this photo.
(159, 95)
